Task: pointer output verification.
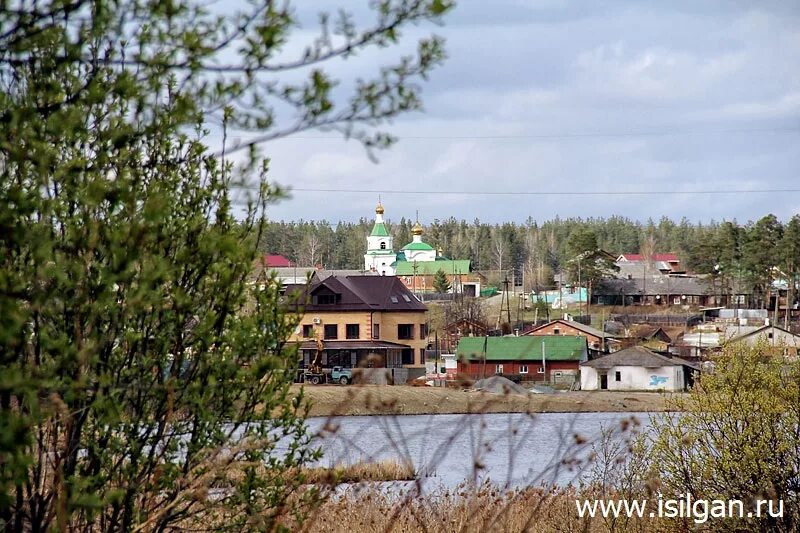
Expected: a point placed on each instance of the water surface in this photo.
(511, 450)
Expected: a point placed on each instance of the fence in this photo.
(659, 320)
(436, 296)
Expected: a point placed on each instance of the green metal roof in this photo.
(417, 246)
(380, 252)
(379, 230)
(524, 348)
(429, 268)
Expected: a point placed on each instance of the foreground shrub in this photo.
(738, 438)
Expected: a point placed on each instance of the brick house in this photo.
(365, 321)
(418, 276)
(554, 359)
(596, 340)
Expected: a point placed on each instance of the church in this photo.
(417, 262)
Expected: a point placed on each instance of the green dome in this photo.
(417, 246)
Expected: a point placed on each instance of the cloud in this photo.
(569, 96)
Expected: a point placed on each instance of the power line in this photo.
(571, 135)
(536, 193)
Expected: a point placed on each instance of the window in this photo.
(405, 331)
(376, 331)
(556, 331)
(331, 331)
(394, 299)
(326, 299)
(351, 331)
(769, 335)
(383, 245)
(423, 331)
(523, 369)
(618, 376)
(308, 330)
(406, 298)
(498, 369)
(541, 370)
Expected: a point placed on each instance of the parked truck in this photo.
(341, 375)
(338, 374)
(315, 375)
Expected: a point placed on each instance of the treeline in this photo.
(749, 253)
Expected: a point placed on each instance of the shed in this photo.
(637, 368)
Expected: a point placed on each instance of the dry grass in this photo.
(339, 400)
(464, 510)
(388, 470)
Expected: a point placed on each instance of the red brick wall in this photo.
(475, 369)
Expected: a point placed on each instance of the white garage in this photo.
(637, 368)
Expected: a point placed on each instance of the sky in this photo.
(543, 99)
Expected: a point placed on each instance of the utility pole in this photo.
(544, 364)
(505, 303)
(777, 300)
(485, 343)
(436, 336)
(603, 329)
(580, 296)
(414, 267)
(789, 301)
(644, 282)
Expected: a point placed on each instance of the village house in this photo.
(637, 368)
(597, 341)
(648, 335)
(359, 321)
(664, 263)
(710, 338)
(297, 275)
(668, 291)
(554, 359)
(275, 260)
(418, 276)
(777, 340)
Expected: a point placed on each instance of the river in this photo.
(511, 450)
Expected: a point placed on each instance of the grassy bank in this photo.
(360, 472)
(406, 400)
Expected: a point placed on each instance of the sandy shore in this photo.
(328, 400)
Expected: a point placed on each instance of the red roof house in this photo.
(276, 261)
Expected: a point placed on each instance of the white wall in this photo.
(668, 378)
(420, 255)
(589, 380)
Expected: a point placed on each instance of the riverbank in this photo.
(354, 400)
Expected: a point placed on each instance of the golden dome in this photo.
(379, 209)
(417, 229)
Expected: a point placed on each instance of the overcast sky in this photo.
(553, 96)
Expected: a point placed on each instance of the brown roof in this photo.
(589, 330)
(353, 345)
(648, 331)
(357, 293)
(637, 356)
